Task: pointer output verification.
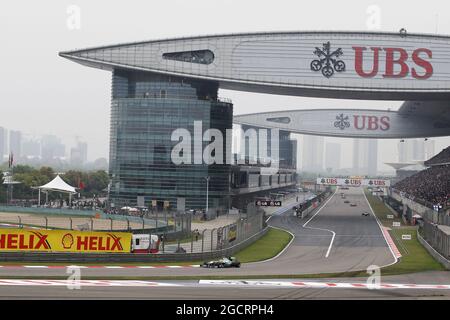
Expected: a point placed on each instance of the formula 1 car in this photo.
(230, 262)
(365, 214)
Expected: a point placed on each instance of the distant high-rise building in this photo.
(31, 148)
(411, 150)
(372, 165)
(429, 149)
(78, 154)
(418, 149)
(288, 151)
(333, 156)
(15, 143)
(250, 145)
(359, 156)
(51, 147)
(365, 157)
(100, 164)
(312, 153)
(3, 148)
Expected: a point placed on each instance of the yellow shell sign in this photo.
(64, 241)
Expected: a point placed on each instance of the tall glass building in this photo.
(146, 108)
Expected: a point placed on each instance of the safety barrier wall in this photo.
(436, 237)
(442, 217)
(124, 257)
(315, 203)
(427, 243)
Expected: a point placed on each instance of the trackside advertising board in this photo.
(354, 182)
(64, 241)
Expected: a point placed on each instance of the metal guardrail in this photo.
(437, 238)
(430, 248)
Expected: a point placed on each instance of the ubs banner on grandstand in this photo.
(354, 182)
(64, 241)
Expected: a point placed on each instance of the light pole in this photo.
(207, 194)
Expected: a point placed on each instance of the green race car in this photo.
(230, 262)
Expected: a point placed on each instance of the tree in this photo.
(97, 181)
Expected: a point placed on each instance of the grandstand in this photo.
(430, 187)
(442, 158)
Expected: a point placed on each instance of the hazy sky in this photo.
(42, 93)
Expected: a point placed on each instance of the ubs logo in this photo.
(342, 122)
(328, 61)
(362, 122)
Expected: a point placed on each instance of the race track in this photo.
(358, 243)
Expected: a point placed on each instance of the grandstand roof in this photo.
(442, 158)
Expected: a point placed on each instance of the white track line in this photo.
(88, 283)
(312, 228)
(316, 284)
(382, 232)
(281, 252)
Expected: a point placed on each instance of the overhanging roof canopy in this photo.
(326, 64)
(398, 165)
(59, 185)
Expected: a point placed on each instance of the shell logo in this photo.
(67, 241)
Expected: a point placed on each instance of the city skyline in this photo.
(46, 150)
(406, 150)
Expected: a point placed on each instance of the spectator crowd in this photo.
(431, 185)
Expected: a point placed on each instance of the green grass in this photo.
(415, 258)
(381, 211)
(265, 248)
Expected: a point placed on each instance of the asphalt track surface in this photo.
(192, 290)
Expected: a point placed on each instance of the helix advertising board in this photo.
(64, 241)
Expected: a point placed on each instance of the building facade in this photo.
(3, 145)
(365, 157)
(312, 153)
(15, 143)
(145, 110)
(332, 157)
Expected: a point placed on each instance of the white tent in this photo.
(58, 185)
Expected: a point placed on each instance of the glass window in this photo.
(199, 56)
